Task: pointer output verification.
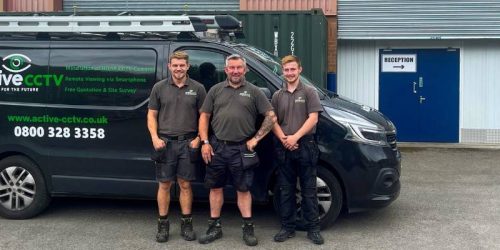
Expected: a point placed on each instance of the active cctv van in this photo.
(73, 102)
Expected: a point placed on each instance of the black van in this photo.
(73, 123)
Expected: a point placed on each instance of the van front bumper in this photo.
(371, 175)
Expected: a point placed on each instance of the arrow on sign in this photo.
(401, 67)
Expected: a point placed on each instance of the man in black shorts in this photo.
(173, 113)
(234, 105)
(297, 107)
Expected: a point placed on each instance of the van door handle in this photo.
(422, 99)
(414, 90)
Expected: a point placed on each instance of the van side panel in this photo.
(98, 119)
(83, 118)
(24, 89)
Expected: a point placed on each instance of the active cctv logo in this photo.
(14, 75)
(16, 63)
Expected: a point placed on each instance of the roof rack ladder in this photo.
(101, 24)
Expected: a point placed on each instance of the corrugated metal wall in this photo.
(481, 91)
(419, 19)
(32, 5)
(358, 79)
(150, 5)
(357, 71)
(329, 6)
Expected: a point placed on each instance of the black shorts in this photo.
(176, 163)
(227, 160)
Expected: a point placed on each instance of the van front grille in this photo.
(391, 139)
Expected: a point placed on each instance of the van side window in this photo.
(103, 77)
(207, 67)
(256, 79)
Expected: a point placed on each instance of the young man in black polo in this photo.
(297, 107)
(233, 105)
(173, 113)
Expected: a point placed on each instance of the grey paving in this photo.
(450, 199)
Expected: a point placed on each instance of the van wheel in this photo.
(23, 193)
(329, 199)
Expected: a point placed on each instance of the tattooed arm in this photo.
(268, 123)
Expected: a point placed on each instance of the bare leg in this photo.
(216, 201)
(245, 204)
(186, 196)
(163, 197)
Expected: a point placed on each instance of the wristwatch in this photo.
(206, 142)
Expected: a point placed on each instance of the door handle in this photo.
(422, 99)
(414, 90)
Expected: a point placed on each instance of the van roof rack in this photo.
(120, 24)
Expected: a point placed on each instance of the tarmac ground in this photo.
(450, 199)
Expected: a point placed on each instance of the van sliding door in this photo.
(99, 139)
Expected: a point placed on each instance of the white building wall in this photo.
(357, 71)
(357, 79)
(481, 91)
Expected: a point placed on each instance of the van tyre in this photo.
(330, 199)
(23, 192)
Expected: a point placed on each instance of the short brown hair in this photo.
(181, 55)
(289, 59)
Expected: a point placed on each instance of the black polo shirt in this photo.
(293, 109)
(234, 111)
(177, 107)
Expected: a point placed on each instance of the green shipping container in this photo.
(300, 33)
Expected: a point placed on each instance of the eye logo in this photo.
(16, 63)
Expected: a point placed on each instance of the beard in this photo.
(179, 75)
(292, 79)
(236, 79)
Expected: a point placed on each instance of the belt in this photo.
(180, 137)
(232, 143)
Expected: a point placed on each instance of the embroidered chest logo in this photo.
(300, 100)
(190, 92)
(245, 93)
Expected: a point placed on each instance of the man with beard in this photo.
(234, 105)
(172, 122)
(297, 107)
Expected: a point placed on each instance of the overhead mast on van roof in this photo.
(117, 24)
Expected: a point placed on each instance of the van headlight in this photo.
(358, 128)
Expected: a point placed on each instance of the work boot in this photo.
(187, 229)
(163, 228)
(284, 234)
(214, 232)
(248, 234)
(315, 237)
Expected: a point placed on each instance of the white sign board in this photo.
(399, 63)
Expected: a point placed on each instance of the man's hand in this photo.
(195, 143)
(290, 142)
(159, 143)
(207, 152)
(251, 144)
